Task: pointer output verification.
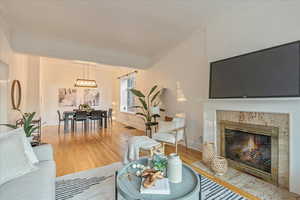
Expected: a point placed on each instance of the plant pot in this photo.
(219, 165)
(208, 153)
(30, 139)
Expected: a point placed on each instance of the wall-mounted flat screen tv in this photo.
(273, 72)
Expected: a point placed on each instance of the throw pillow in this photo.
(27, 146)
(13, 160)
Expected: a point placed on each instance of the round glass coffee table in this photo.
(128, 185)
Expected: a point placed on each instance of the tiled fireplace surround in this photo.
(281, 113)
(279, 120)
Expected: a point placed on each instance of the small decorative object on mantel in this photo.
(208, 153)
(174, 168)
(219, 165)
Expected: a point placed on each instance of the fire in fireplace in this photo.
(251, 149)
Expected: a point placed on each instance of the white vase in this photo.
(174, 168)
(30, 139)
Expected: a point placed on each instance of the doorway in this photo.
(3, 94)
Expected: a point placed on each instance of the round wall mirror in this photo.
(16, 94)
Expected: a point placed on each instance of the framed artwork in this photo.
(91, 97)
(67, 97)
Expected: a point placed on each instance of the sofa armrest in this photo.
(44, 152)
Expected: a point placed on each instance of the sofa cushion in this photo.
(37, 185)
(43, 152)
(28, 149)
(164, 137)
(14, 160)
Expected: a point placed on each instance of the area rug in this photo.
(99, 184)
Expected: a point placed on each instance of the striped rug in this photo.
(211, 190)
(99, 184)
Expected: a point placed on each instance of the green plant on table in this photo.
(160, 162)
(85, 107)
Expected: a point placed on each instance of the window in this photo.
(127, 98)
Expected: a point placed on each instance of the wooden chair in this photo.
(171, 132)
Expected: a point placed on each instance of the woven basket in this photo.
(219, 165)
(208, 153)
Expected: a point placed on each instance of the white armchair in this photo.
(171, 132)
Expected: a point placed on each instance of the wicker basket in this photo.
(219, 165)
(208, 153)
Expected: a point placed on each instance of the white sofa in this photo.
(37, 185)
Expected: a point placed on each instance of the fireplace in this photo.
(251, 148)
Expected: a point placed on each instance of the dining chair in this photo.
(104, 118)
(80, 116)
(96, 115)
(60, 119)
(109, 115)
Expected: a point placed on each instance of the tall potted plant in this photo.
(146, 103)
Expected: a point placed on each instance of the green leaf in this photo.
(32, 130)
(9, 126)
(154, 97)
(137, 93)
(144, 103)
(136, 107)
(31, 116)
(142, 114)
(152, 90)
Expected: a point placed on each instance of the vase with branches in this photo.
(147, 102)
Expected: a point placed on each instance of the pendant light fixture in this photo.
(85, 82)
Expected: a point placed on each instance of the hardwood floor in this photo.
(74, 152)
(79, 151)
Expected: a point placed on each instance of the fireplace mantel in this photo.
(287, 105)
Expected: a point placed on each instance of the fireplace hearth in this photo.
(251, 148)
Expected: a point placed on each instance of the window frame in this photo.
(125, 95)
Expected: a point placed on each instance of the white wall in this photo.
(20, 67)
(57, 73)
(251, 29)
(183, 72)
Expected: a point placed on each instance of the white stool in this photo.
(158, 148)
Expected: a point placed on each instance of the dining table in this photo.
(69, 115)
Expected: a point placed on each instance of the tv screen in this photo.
(272, 72)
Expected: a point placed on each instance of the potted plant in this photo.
(28, 126)
(146, 103)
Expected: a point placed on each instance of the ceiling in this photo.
(132, 33)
